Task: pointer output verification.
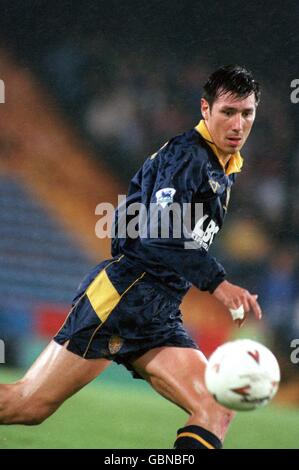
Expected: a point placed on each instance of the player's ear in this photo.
(205, 108)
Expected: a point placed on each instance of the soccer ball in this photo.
(242, 375)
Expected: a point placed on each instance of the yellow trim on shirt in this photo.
(235, 162)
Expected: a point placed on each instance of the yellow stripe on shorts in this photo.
(103, 296)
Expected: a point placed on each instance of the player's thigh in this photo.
(58, 373)
(178, 375)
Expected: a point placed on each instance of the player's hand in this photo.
(234, 298)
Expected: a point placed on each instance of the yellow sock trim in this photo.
(198, 438)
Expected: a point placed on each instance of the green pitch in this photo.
(116, 412)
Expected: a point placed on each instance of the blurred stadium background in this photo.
(91, 89)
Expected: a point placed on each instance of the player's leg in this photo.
(178, 375)
(55, 376)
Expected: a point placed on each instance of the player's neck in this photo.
(224, 157)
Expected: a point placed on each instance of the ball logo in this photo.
(244, 391)
(255, 355)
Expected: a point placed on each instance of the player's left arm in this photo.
(179, 182)
(239, 301)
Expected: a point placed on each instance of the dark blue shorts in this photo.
(120, 312)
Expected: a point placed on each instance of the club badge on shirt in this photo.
(115, 344)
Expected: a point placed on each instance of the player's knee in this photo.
(36, 413)
(14, 414)
(15, 408)
(33, 419)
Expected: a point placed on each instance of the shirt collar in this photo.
(235, 162)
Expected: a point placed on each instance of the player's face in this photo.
(229, 121)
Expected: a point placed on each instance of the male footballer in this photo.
(127, 308)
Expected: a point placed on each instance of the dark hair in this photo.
(232, 79)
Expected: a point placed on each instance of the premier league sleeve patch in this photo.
(165, 196)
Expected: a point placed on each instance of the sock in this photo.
(196, 437)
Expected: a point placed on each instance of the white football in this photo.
(242, 375)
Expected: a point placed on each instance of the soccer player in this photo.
(127, 309)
